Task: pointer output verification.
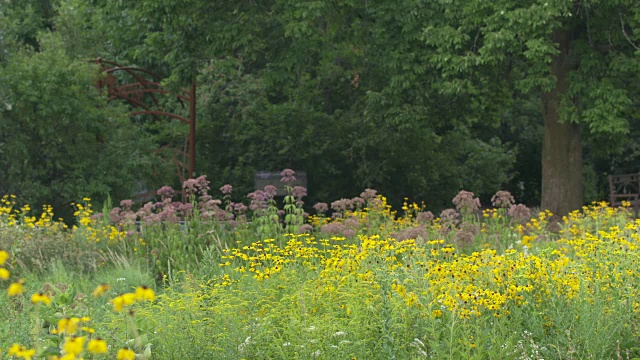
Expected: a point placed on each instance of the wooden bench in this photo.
(625, 188)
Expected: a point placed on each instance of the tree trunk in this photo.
(562, 178)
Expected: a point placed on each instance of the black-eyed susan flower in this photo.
(73, 345)
(125, 354)
(97, 346)
(20, 351)
(16, 288)
(68, 326)
(14, 349)
(100, 290)
(119, 302)
(145, 293)
(40, 298)
(3, 257)
(4, 274)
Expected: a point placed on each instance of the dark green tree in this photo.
(580, 57)
(342, 90)
(59, 139)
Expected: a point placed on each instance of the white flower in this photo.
(316, 353)
(311, 328)
(340, 333)
(419, 345)
(286, 344)
(243, 345)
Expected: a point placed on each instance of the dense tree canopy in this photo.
(414, 98)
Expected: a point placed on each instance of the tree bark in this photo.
(562, 176)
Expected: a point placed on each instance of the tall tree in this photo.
(59, 139)
(581, 57)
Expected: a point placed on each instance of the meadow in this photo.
(208, 278)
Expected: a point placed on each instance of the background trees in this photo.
(415, 98)
(59, 139)
(576, 57)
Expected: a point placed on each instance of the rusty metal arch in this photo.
(142, 94)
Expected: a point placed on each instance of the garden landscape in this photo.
(213, 279)
(442, 179)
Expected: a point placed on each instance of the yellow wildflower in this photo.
(68, 326)
(15, 349)
(3, 256)
(123, 300)
(21, 351)
(40, 298)
(125, 354)
(16, 288)
(100, 290)
(74, 345)
(4, 274)
(145, 293)
(97, 346)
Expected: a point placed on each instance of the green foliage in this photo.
(170, 247)
(23, 20)
(411, 97)
(293, 214)
(515, 41)
(58, 136)
(42, 250)
(346, 110)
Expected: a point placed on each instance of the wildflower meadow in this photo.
(194, 275)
